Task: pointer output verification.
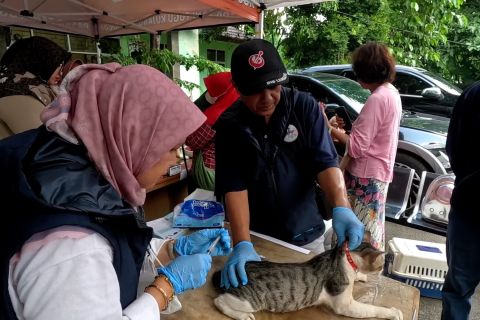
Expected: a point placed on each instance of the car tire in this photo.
(408, 161)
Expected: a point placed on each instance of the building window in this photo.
(217, 56)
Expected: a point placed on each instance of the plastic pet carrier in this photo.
(436, 203)
(417, 263)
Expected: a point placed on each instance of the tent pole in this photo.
(99, 52)
(96, 33)
(259, 33)
(69, 44)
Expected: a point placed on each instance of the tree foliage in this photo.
(276, 29)
(463, 53)
(420, 30)
(328, 33)
(439, 35)
(164, 60)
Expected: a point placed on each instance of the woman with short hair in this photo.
(372, 143)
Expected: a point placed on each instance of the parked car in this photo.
(420, 90)
(422, 137)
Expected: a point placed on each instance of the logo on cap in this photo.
(256, 60)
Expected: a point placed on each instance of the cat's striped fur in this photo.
(325, 279)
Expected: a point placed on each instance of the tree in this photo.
(420, 29)
(275, 29)
(164, 60)
(327, 33)
(416, 31)
(463, 54)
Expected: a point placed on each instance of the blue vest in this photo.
(45, 183)
(278, 173)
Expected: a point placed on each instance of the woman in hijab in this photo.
(221, 94)
(74, 235)
(32, 66)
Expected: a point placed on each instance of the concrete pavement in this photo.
(430, 309)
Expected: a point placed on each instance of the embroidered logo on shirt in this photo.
(292, 133)
(256, 60)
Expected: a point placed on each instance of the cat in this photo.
(326, 279)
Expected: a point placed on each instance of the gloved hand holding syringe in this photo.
(189, 270)
(215, 242)
(212, 246)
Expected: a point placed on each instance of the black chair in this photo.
(416, 220)
(398, 193)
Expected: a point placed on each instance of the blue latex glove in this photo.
(242, 252)
(200, 241)
(346, 225)
(187, 272)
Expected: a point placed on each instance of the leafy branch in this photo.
(164, 60)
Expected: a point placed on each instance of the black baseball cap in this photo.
(256, 65)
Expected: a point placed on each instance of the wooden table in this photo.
(379, 290)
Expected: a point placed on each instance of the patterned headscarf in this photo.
(127, 117)
(37, 55)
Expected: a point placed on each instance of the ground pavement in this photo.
(430, 309)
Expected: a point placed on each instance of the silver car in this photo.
(422, 137)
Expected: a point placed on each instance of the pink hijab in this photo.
(127, 118)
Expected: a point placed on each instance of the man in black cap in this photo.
(272, 146)
(463, 237)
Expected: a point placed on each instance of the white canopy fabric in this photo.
(104, 18)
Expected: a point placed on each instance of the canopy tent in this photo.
(104, 18)
(275, 4)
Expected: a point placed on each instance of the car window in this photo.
(442, 83)
(350, 91)
(408, 84)
(299, 84)
(319, 93)
(333, 90)
(349, 74)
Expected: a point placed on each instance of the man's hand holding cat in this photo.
(242, 253)
(346, 225)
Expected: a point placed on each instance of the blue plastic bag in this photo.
(198, 214)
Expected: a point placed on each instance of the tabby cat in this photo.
(326, 279)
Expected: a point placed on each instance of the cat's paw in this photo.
(396, 314)
(249, 316)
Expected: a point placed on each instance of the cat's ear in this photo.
(367, 236)
(370, 253)
(377, 257)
